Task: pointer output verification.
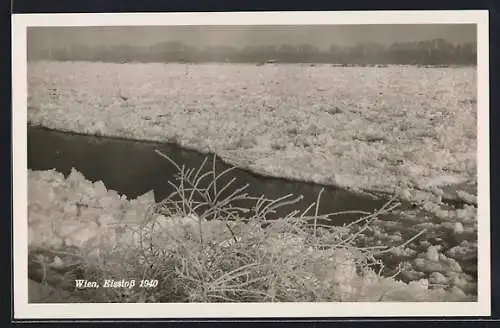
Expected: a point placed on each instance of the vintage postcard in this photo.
(272, 164)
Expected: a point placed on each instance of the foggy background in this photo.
(357, 44)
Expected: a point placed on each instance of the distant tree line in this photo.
(431, 52)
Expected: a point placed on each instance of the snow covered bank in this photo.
(401, 129)
(76, 224)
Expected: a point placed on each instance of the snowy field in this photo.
(400, 129)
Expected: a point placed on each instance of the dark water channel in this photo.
(133, 168)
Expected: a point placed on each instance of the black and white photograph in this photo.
(251, 164)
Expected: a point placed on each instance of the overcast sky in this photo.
(241, 36)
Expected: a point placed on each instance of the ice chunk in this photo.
(461, 280)
(432, 253)
(133, 214)
(147, 198)
(422, 196)
(443, 180)
(100, 188)
(81, 235)
(162, 221)
(458, 228)
(450, 264)
(106, 219)
(465, 196)
(412, 274)
(57, 263)
(40, 193)
(71, 209)
(108, 202)
(87, 189)
(435, 261)
(100, 128)
(456, 291)
(49, 176)
(465, 251)
(420, 284)
(75, 176)
(438, 278)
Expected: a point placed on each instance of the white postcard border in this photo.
(24, 310)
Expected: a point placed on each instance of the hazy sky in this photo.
(322, 36)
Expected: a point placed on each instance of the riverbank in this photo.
(82, 230)
(404, 130)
